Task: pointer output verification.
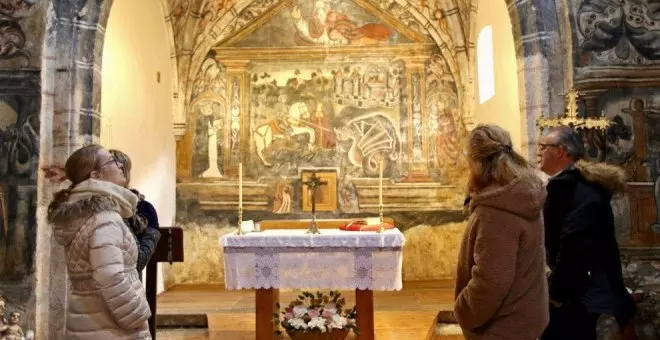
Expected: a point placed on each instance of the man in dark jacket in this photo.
(582, 252)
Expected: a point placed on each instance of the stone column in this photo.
(236, 147)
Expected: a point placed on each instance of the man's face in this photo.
(550, 154)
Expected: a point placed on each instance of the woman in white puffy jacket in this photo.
(106, 299)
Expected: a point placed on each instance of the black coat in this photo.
(582, 251)
(144, 225)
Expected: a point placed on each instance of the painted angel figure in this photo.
(327, 27)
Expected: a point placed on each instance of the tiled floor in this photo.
(403, 315)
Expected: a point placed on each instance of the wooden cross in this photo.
(169, 249)
(313, 184)
(571, 118)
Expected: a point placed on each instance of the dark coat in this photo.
(581, 246)
(144, 225)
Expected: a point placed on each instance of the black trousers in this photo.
(571, 321)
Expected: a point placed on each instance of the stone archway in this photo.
(70, 112)
(70, 117)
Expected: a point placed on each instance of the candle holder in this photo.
(313, 228)
(381, 226)
(240, 221)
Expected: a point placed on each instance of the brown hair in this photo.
(78, 167)
(125, 162)
(492, 158)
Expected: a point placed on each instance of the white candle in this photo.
(240, 185)
(380, 186)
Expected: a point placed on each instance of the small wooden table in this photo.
(273, 259)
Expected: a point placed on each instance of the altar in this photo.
(293, 259)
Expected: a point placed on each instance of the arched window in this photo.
(485, 64)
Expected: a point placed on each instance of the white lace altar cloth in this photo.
(334, 259)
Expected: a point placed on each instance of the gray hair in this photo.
(571, 141)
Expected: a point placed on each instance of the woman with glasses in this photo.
(144, 223)
(501, 290)
(106, 299)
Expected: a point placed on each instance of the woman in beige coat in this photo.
(501, 289)
(106, 299)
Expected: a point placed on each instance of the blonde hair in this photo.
(492, 159)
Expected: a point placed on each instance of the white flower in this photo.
(317, 322)
(299, 311)
(338, 322)
(298, 323)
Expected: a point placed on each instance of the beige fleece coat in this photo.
(501, 288)
(106, 299)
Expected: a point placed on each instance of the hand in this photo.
(54, 173)
(555, 304)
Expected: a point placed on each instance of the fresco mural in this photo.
(21, 32)
(323, 23)
(19, 157)
(319, 116)
(209, 105)
(618, 32)
(269, 98)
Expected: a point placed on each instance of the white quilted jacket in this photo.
(106, 299)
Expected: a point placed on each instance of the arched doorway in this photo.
(72, 83)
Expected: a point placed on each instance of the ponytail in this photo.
(59, 198)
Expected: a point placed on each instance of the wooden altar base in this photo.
(406, 315)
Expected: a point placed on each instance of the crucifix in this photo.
(313, 183)
(571, 117)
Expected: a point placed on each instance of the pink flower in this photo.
(313, 313)
(326, 314)
(288, 315)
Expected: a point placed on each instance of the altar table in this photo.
(269, 260)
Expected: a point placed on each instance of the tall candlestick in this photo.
(240, 185)
(240, 198)
(380, 199)
(380, 186)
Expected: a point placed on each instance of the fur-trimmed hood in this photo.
(610, 177)
(523, 197)
(86, 199)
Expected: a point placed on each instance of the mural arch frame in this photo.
(439, 37)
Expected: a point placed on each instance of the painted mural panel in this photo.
(209, 107)
(21, 32)
(323, 23)
(19, 157)
(622, 106)
(325, 115)
(617, 32)
(311, 86)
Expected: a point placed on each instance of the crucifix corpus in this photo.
(313, 184)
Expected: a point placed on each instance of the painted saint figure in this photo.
(282, 199)
(325, 137)
(215, 125)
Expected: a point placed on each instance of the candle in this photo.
(380, 186)
(240, 185)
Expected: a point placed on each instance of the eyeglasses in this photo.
(112, 159)
(543, 146)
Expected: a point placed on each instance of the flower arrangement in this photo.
(318, 316)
